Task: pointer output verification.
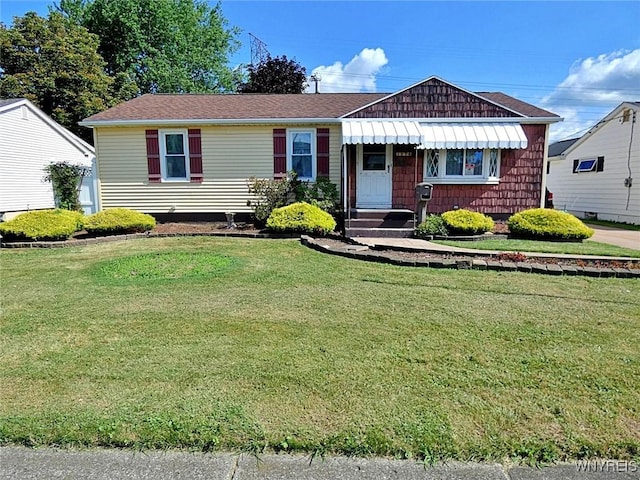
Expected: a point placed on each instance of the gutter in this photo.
(208, 121)
(300, 121)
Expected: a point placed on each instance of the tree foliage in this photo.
(54, 63)
(163, 46)
(276, 75)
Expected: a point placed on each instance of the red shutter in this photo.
(153, 156)
(279, 152)
(195, 155)
(322, 151)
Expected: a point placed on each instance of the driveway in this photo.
(616, 236)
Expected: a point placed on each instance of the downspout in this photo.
(545, 159)
(345, 188)
(97, 185)
(415, 181)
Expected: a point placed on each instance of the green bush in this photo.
(55, 224)
(269, 194)
(546, 224)
(118, 220)
(301, 218)
(66, 179)
(432, 225)
(466, 222)
(322, 193)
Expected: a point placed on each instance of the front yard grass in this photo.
(285, 348)
(588, 247)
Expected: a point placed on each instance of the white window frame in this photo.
(581, 161)
(443, 178)
(163, 155)
(314, 157)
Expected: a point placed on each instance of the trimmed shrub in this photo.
(546, 224)
(301, 218)
(115, 221)
(55, 224)
(466, 222)
(432, 225)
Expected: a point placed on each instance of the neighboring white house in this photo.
(29, 141)
(598, 175)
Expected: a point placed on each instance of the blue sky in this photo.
(577, 59)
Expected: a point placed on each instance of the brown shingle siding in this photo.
(433, 98)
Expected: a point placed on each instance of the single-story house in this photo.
(192, 154)
(596, 175)
(29, 141)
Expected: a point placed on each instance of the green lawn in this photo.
(587, 247)
(207, 343)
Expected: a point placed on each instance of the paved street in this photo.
(51, 464)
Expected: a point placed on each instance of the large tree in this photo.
(164, 46)
(55, 64)
(275, 75)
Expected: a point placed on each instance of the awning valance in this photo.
(472, 135)
(381, 132)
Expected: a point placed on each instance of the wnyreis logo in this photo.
(607, 466)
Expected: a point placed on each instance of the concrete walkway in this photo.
(616, 236)
(611, 236)
(50, 464)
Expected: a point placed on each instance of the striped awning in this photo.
(472, 135)
(381, 132)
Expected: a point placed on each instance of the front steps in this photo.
(396, 223)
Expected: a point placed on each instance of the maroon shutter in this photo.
(279, 152)
(195, 155)
(322, 151)
(153, 156)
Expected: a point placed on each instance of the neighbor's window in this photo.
(462, 164)
(588, 165)
(174, 155)
(302, 154)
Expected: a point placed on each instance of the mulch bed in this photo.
(202, 227)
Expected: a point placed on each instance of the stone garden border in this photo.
(479, 261)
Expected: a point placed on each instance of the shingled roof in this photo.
(516, 105)
(236, 106)
(247, 107)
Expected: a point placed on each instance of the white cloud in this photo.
(359, 75)
(593, 88)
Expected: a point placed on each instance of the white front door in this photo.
(373, 177)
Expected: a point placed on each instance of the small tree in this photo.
(66, 180)
(276, 75)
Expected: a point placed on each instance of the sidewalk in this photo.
(50, 464)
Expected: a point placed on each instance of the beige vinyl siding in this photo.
(27, 145)
(230, 155)
(603, 192)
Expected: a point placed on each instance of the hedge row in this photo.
(60, 224)
(535, 223)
